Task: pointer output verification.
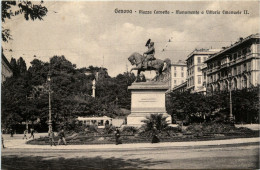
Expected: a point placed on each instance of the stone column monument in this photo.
(93, 88)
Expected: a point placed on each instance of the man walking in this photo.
(51, 138)
(155, 138)
(25, 132)
(62, 137)
(32, 133)
(117, 135)
(12, 132)
(3, 146)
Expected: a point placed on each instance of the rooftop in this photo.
(202, 52)
(179, 63)
(241, 40)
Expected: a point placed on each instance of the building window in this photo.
(199, 69)
(205, 75)
(244, 51)
(199, 79)
(182, 74)
(175, 74)
(182, 68)
(249, 66)
(239, 53)
(235, 71)
(204, 58)
(182, 81)
(249, 50)
(175, 81)
(245, 67)
(235, 56)
(238, 69)
(199, 61)
(174, 68)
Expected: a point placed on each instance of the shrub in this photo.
(109, 129)
(92, 128)
(129, 130)
(215, 128)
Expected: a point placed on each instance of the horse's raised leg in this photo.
(138, 75)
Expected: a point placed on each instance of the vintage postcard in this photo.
(130, 84)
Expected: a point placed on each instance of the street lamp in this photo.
(49, 80)
(230, 101)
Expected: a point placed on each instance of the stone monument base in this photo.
(147, 98)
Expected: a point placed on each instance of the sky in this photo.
(91, 33)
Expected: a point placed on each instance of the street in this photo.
(243, 155)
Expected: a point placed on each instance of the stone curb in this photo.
(137, 145)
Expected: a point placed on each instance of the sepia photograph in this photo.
(130, 84)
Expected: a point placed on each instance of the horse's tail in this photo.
(168, 61)
(167, 66)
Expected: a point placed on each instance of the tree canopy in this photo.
(28, 9)
(25, 95)
(200, 108)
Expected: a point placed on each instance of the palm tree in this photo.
(155, 120)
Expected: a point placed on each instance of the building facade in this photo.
(6, 68)
(178, 73)
(236, 66)
(195, 62)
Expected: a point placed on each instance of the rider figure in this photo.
(149, 53)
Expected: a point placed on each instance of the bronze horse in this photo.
(158, 65)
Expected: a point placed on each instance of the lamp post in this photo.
(230, 102)
(49, 80)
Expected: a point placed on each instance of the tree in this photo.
(14, 67)
(25, 8)
(22, 68)
(157, 120)
(25, 96)
(215, 108)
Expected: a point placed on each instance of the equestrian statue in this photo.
(147, 61)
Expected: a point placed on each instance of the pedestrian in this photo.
(32, 133)
(155, 138)
(117, 135)
(3, 146)
(25, 132)
(51, 138)
(12, 132)
(62, 137)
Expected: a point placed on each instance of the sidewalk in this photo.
(19, 143)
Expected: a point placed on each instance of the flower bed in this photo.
(194, 132)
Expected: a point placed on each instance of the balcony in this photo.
(232, 62)
(224, 65)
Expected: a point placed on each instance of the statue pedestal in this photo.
(147, 98)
